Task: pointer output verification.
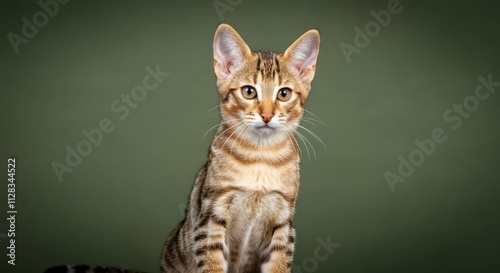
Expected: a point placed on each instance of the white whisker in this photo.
(246, 132)
(245, 127)
(312, 114)
(213, 108)
(291, 138)
(307, 140)
(215, 126)
(314, 135)
(315, 120)
(305, 120)
(226, 130)
(236, 130)
(301, 137)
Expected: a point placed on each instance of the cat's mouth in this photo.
(265, 128)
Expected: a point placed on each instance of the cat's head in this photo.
(263, 93)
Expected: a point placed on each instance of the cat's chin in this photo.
(265, 129)
(266, 135)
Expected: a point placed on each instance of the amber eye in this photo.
(248, 92)
(284, 94)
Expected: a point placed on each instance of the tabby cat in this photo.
(241, 208)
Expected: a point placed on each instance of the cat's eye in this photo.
(249, 92)
(284, 94)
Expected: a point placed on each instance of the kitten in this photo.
(241, 208)
(240, 214)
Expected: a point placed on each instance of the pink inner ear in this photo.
(304, 57)
(228, 66)
(305, 72)
(227, 52)
(303, 54)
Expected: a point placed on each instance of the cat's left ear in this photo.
(230, 51)
(302, 55)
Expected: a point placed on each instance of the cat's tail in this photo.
(73, 268)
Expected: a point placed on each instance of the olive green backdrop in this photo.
(120, 203)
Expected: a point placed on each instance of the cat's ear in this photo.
(230, 51)
(302, 55)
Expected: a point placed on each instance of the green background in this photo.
(118, 206)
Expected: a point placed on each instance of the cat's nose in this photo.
(266, 116)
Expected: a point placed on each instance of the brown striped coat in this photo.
(241, 208)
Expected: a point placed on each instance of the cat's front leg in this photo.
(278, 256)
(210, 244)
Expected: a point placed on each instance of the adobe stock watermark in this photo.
(222, 6)
(49, 9)
(321, 253)
(454, 117)
(372, 29)
(122, 107)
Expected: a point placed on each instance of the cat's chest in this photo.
(253, 214)
(260, 177)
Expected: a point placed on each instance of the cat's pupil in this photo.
(248, 92)
(283, 93)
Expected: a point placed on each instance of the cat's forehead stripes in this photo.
(267, 66)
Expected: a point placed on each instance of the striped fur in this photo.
(240, 213)
(87, 269)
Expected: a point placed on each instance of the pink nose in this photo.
(266, 117)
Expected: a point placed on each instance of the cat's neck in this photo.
(229, 141)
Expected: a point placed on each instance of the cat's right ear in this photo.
(302, 55)
(230, 51)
